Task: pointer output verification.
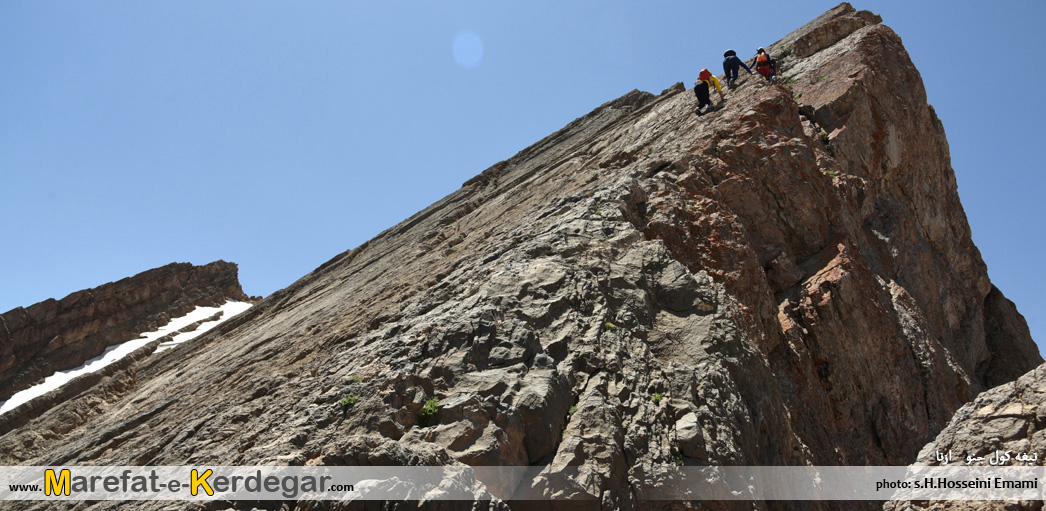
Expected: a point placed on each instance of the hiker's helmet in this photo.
(704, 75)
(760, 50)
(729, 53)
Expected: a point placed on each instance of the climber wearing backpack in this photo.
(702, 89)
(765, 65)
(731, 66)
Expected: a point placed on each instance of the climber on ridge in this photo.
(731, 66)
(765, 65)
(702, 90)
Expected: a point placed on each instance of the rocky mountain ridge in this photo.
(55, 335)
(789, 280)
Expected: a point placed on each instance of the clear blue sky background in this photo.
(278, 134)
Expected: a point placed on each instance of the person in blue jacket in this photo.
(731, 66)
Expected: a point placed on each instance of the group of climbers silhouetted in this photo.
(762, 62)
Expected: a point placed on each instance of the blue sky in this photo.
(277, 134)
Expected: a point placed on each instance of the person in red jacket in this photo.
(703, 89)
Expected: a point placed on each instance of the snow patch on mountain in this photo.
(114, 353)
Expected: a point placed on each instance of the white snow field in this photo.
(119, 351)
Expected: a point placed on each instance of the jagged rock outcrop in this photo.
(55, 335)
(1010, 419)
(789, 280)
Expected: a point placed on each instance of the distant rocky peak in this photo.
(55, 335)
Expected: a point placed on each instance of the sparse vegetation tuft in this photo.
(572, 411)
(656, 398)
(348, 401)
(429, 412)
(609, 326)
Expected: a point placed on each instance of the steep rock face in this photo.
(788, 280)
(54, 335)
(829, 208)
(1008, 418)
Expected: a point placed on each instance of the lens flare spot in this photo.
(468, 49)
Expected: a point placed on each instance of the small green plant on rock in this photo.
(572, 410)
(679, 460)
(357, 379)
(348, 401)
(656, 398)
(429, 412)
(610, 327)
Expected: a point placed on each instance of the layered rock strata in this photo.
(55, 335)
(789, 280)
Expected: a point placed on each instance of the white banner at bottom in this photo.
(656, 482)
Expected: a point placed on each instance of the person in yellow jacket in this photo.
(702, 89)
